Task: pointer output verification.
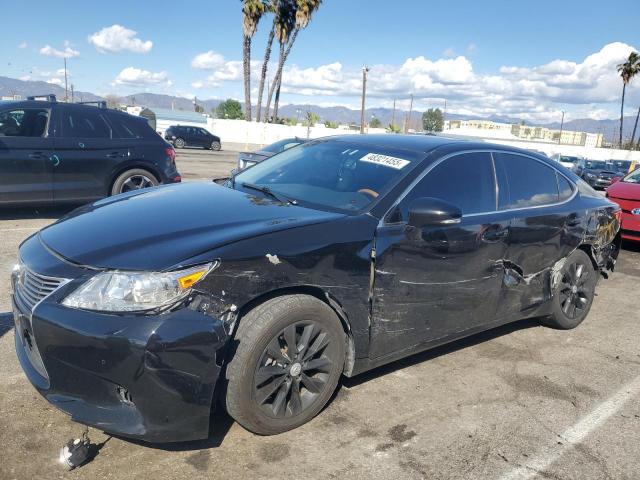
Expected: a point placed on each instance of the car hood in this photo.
(625, 190)
(601, 172)
(162, 227)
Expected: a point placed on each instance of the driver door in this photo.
(437, 282)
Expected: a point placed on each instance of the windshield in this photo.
(281, 145)
(334, 174)
(621, 166)
(633, 177)
(564, 158)
(596, 164)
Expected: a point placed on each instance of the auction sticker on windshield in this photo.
(387, 161)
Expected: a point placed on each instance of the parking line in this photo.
(575, 434)
(19, 229)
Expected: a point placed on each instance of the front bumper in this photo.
(147, 377)
(600, 183)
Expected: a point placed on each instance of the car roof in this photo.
(48, 104)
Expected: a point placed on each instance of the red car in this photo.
(626, 193)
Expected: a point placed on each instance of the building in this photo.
(10, 97)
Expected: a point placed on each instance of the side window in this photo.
(126, 127)
(465, 180)
(28, 122)
(564, 187)
(528, 182)
(85, 123)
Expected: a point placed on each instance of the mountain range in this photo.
(343, 115)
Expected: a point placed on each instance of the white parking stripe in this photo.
(19, 229)
(575, 434)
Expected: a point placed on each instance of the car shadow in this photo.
(440, 351)
(6, 323)
(32, 213)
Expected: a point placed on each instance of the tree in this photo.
(230, 109)
(433, 120)
(331, 124)
(635, 127)
(375, 123)
(393, 128)
(310, 119)
(252, 11)
(627, 71)
(302, 11)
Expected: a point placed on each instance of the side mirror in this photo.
(425, 211)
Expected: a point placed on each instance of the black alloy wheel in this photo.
(293, 369)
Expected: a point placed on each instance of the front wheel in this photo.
(178, 143)
(289, 358)
(216, 146)
(574, 292)
(134, 179)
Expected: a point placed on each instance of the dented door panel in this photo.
(432, 283)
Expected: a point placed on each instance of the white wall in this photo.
(255, 133)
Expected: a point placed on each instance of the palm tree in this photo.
(635, 127)
(252, 11)
(273, 8)
(303, 11)
(627, 71)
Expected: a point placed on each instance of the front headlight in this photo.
(591, 175)
(136, 291)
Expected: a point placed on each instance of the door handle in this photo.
(113, 155)
(495, 234)
(35, 155)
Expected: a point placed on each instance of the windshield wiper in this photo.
(266, 190)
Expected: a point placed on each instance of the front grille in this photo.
(31, 288)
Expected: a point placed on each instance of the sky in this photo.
(529, 60)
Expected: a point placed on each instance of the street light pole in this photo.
(365, 70)
(561, 127)
(407, 124)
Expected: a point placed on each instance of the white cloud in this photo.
(137, 77)
(23, 45)
(68, 52)
(208, 61)
(117, 38)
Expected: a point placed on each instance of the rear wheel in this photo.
(289, 358)
(134, 179)
(178, 143)
(574, 293)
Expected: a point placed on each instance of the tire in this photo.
(216, 146)
(262, 380)
(179, 143)
(134, 179)
(574, 293)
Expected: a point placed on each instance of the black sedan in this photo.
(135, 314)
(248, 159)
(596, 173)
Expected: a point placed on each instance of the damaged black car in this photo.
(139, 313)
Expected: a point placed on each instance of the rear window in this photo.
(281, 145)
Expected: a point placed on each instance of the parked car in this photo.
(52, 153)
(567, 161)
(248, 159)
(596, 173)
(136, 314)
(186, 136)
(626, 193)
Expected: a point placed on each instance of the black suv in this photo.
(54, 152)
(187, 136)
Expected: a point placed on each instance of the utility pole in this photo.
(408, 122)
(393, 115)
(561, 127)
(66, 88)
(365, 70)
(72, 93)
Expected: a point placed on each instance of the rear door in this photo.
(545, 227)
(25, 148)
(86, 154)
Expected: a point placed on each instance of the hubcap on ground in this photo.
(136, 182)
(293, 369)
(575, 290)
